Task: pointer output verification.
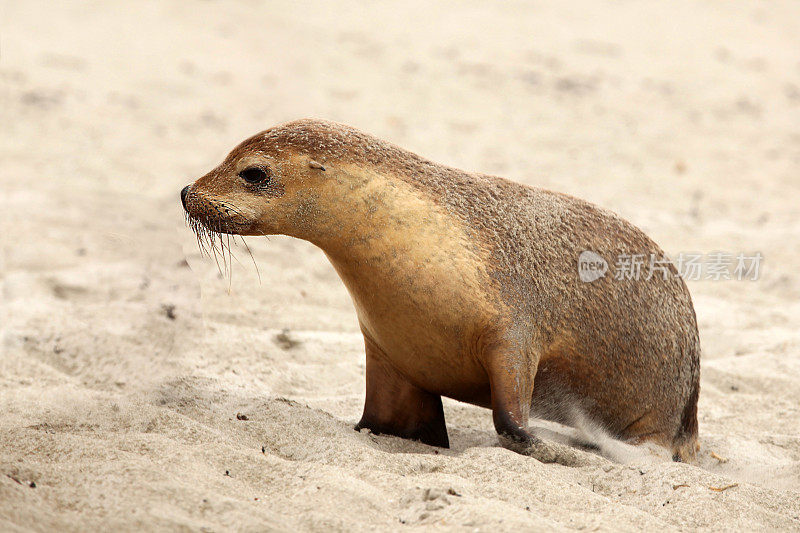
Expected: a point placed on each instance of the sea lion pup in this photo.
(467, 286)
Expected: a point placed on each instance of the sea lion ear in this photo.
(314, 164)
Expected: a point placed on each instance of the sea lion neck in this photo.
(360, 214)
(379, 232)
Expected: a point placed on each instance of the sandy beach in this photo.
(141, 389)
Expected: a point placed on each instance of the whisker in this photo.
(213, 246)
(230, 263)
(258, 272)
(213, 235)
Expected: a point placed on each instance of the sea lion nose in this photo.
(184, 192)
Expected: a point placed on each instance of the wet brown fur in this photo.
(467, 286)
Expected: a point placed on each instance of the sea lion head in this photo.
(267, 185)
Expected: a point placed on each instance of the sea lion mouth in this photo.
(212, 214)
(217, 225)
(213, 223)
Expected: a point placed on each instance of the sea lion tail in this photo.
(685, 444)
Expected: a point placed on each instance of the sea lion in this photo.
(467, 286)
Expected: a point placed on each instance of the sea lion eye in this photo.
(254, 175)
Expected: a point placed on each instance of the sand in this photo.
(141, 390)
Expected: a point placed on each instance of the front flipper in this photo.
(394, 406)
(511, 379)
